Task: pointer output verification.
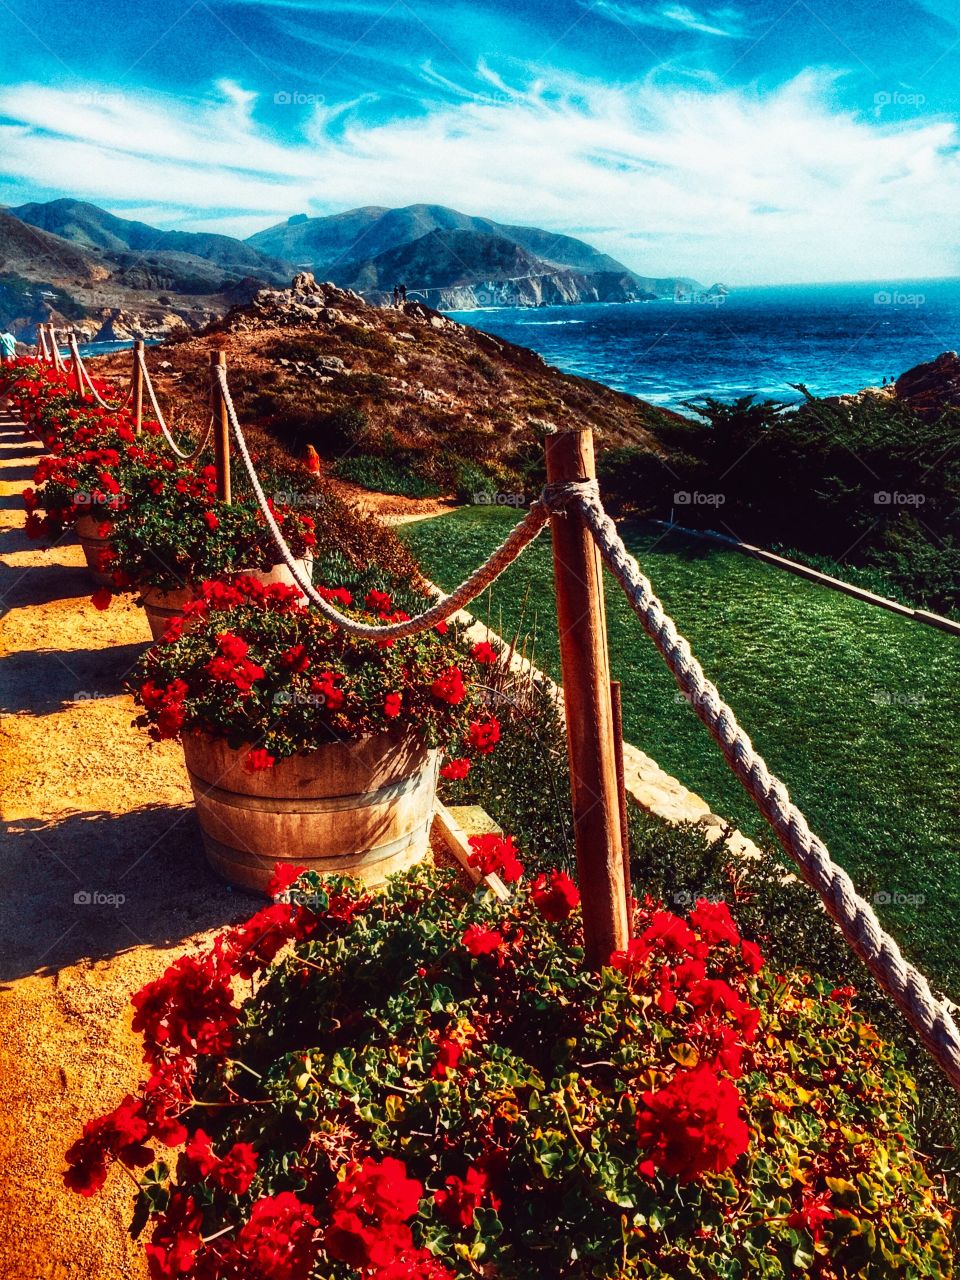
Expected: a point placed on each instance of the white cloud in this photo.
(668, 17)
(695, 179)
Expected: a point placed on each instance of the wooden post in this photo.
(221, 427)
(137, 376)
(77, 366)
(42, 351)
(616, 706)
(581, 619)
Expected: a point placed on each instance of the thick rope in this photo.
(929, 1017)
(201, 444)
(519, 538)
(84, 374)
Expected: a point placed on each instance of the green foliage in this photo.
(865, 480)
(384, 475)
(339, 1055)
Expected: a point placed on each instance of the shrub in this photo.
(419, 1086)
(383, 475)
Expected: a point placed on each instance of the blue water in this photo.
(832, 338)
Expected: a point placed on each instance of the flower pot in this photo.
(160, 606)
(361, 808)
(93, 547)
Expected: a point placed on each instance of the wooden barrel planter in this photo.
(161, 606)
(93, 547)
(362, 808)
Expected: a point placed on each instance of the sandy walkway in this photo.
(90, 807)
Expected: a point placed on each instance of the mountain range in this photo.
(110, 276)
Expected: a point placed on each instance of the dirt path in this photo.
(102, 883)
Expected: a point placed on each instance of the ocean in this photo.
(757, 341)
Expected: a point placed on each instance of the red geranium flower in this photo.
(482, 942)
(392, 704)
(484, 735)
(692, 1126)
(257, 760)
(102, 598)
(494, 854)
(555, 897)
(449, 687)
(456, 769)
(484, 652)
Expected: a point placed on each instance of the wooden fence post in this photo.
(221, 427)
(581, 619)
(137, 375)
(42, 351)
(77, 366)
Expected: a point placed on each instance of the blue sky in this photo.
(775, 141)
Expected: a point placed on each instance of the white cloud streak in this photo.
(711, 182)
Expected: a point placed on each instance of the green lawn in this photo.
(855, 709)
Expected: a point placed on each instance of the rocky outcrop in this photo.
(932, 387)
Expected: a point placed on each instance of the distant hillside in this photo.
(118, 276)
(72, 262)
(94, 228)
(429, 240)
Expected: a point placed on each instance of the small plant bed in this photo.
(414, 1084)
(845, 701)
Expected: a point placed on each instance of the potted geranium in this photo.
(171, 533)
(302, 742)
(143, 518)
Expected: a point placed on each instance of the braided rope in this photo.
(85, 377)
(909, 989)
(201, 444)
(519, 538)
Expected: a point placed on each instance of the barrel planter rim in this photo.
(361, 807)
(160, 605)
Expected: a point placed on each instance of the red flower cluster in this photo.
(369, 1227)
(692, 1126)
(232, 663)
(461, 1197)
(188, 1009)
(555, 896)
(482, 942)
(449, 686)
(483, 735)
(233, 1172)
(456, 770)
(494, 854)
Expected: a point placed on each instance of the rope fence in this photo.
(578, 500)
(929, 1017)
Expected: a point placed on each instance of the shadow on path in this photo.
(92, 885)
(44, 680)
